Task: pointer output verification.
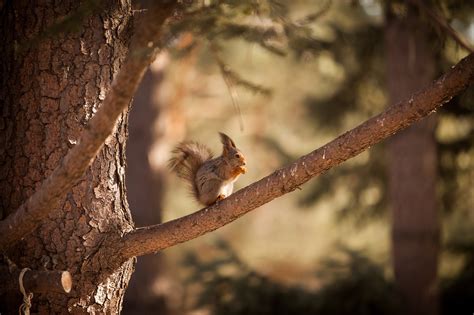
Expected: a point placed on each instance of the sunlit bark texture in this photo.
(52, 84)
(413, 166)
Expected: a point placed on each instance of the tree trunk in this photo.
(413, 166)
(145, 192)
(52, 84)
(156, 124)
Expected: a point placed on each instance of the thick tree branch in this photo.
(46, 200)
(151, 239)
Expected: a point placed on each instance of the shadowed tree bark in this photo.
(61, 112)
(413, 166)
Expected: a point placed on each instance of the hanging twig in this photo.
(232, 79)
(441, 22)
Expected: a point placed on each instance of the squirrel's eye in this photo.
(237, 155)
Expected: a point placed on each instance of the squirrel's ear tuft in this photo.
(226, 141)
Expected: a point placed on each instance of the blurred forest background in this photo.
(283, 78)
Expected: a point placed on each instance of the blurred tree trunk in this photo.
(146, 185)
(413, 164)
(157, 122)
(145, 193)
(52, 84)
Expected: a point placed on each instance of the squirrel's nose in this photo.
(244, 162)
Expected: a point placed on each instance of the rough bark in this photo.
(413, 167)
(47, 199)
(59, 101)
(151, 239)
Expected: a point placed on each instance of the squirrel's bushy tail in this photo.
(187, 159)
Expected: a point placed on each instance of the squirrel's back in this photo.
(187, 158)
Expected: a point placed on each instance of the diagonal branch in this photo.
(151, 239)
(47, 198)
(444, 25)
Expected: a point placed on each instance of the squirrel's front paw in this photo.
(220, 197)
